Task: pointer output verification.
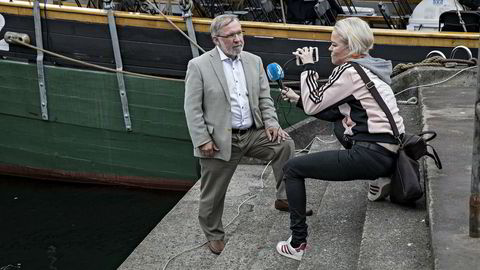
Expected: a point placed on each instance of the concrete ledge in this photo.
(427, 75)
(449, 112)
(302, 133)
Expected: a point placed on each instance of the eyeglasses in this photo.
(233, 35)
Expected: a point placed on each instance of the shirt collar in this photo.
(223, 57)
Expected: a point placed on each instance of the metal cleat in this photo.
(14, 37)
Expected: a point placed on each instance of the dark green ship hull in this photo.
(85, 139)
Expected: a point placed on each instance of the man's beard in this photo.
(237, 50)
(233, 52)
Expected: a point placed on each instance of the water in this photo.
(53, 225)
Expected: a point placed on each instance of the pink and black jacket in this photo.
(345, 96)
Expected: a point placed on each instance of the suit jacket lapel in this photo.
(248, 75)
(218, 68)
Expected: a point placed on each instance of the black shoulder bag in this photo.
(405, 185)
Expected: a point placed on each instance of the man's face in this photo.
(230, 39)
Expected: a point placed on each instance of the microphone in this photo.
(275, 73)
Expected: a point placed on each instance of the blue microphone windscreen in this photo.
(274, 72)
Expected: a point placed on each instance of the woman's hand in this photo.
(289, 95)
(305, 54)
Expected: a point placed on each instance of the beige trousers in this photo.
(216, 175)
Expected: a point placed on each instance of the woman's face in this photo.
(339, 50)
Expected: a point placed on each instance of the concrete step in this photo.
(335, 232)
(335, 229)
(177, 241)
(253, 240)
(396, 237)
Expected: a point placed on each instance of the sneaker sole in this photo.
(279, 247)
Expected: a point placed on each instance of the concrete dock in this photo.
(346, 231)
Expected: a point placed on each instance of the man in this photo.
(230, 114)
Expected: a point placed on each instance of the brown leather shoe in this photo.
(282, 205)
(216, 246)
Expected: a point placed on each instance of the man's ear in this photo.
(215, 40)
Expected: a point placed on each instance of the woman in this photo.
(361, 125)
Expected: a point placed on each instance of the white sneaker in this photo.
(379, 189)
(285, 249)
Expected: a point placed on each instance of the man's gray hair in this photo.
(221, 21)
(356, 34)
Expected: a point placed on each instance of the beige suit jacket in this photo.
(207, 100)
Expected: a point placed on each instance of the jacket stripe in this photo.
(316, 91)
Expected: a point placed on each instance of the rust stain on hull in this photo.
(97, 178)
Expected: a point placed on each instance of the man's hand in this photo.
(289, 95)
(276, 134)
(305, 54)
(208, 149)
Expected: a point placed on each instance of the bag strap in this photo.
(431, 135)
(434, 156)
(428, 136)
(373, 90)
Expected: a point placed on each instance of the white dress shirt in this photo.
(237, 86)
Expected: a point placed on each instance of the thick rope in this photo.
(434, 61)
(19, 42)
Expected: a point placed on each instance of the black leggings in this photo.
(338, 165)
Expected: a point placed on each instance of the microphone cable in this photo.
(279, 97)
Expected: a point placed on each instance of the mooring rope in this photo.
(434, 61)
(435, 83)
(19, 42)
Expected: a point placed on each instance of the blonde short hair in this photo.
(356, 34)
